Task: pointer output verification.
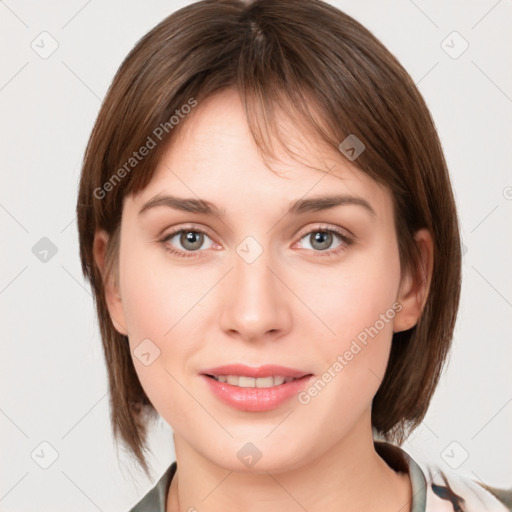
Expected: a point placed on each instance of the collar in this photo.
(401, 461)
(155, 500)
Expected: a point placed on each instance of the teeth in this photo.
(250, 382)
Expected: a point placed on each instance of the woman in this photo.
(267, 222)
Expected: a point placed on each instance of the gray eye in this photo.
(191, 240)
(320, 240)
(188, 240)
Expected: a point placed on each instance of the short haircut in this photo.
(301, 58)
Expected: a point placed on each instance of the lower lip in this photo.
(256, 399)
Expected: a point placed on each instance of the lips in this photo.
(256, 399)
(255, 389)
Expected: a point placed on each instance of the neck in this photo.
(350, 476)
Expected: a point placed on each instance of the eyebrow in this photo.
(297, 207)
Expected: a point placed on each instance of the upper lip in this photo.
(267, 370)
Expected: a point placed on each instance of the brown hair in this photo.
(276, 54)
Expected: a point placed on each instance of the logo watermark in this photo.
(137, 156)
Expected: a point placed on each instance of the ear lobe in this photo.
(415, 286)
(112, 294)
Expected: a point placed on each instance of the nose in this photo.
(255, 301)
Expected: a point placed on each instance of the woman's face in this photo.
(263, 286)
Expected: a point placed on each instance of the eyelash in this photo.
(347, 241)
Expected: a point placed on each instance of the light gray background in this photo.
(53, 379)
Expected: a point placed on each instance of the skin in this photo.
(292, 306)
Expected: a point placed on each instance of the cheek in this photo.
(358, 304)
(162, 304)
(356, 295)
(155, 295)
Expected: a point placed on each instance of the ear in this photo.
(414, 289)
(111, 289)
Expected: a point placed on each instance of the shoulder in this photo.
(155, 499)
(436, 489)
(455, 492)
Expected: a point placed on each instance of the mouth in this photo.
(265, 376)
(252, 389)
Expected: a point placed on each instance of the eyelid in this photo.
(174, 230)
(344, 232)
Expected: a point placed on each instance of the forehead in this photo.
(213, 156)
